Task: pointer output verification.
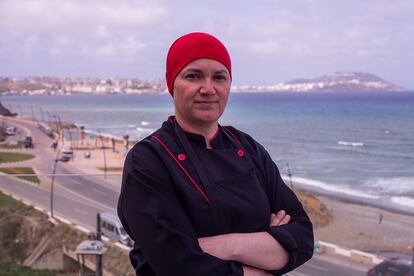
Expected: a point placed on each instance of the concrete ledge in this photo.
(352, 254)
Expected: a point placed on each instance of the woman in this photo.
(199, 198)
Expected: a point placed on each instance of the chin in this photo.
(208, 118)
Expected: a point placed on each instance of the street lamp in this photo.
(290, 176)
(104, 155)
(53, 181)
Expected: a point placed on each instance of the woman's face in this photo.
(200, 91)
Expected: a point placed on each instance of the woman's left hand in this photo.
(281, 218)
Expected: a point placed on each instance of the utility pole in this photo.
(33, 115)
(99, 265)
(41, 114)
(104, 155)
(412, 262)
(53, 181)
(290, 176)
(61, 128)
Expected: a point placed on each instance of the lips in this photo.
(206, 102)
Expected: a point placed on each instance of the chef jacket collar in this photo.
(199, 139)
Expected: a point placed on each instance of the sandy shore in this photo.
(358, 226)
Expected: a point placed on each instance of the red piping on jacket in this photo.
(182, 168)
(215, 135)
(234, 136)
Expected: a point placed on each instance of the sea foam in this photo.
(403, 200)
(330, 188)
(353, 144)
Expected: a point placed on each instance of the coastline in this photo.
(355, 224)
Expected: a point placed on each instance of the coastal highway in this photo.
(66, 205)
(79, 198)
(87, 187)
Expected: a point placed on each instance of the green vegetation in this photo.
(19, 145)
(21, 230)
(14, 157)
(14, 242)
(111, 169)
(23, 170)
(10, 269)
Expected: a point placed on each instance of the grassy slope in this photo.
(14, 246)
(22, 170)
(22, 228)
(14, 157)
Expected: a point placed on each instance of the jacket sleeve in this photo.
(152, 213)
(296, 236)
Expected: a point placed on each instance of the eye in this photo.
(220, 77)
(192, 76)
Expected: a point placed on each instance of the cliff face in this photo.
(5, 112)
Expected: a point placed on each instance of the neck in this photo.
(205, 130)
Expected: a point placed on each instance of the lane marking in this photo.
(80, 211)
(318, 267)
(296, 273)
(99, 192)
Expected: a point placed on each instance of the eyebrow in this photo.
(195, 70)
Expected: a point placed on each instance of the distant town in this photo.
(335, 82)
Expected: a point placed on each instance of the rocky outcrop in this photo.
(5, 112)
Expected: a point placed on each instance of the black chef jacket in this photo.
(167, 201)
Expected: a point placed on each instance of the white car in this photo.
(11, 130)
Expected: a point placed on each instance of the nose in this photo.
(207, 87)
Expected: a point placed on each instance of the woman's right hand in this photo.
(251, 271)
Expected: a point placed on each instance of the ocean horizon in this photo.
(353, 145)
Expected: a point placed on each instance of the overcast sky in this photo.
(270, 41)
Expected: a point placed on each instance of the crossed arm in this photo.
(257, 251)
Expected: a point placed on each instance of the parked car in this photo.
(28, 142)
(112, 228)
(46, 129)
(67, 154)
(11, 130)
(392, 267)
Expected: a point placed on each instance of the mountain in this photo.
(335, 82)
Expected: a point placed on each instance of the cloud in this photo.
(97, 29)
(22, 16)
(304, 37)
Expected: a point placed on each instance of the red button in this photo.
(240, 153)
(182, 157)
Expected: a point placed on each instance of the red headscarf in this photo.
(190, 47)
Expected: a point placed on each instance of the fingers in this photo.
(280, 218)
(285, 220)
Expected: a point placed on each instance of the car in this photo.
(28, 142)
(112, 228)
(67, 154)
(392, 267)
(11, 130)
(65, 158)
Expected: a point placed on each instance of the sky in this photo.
(270, 41)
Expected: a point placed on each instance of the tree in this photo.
(82, 133)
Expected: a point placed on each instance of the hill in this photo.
(335, 82)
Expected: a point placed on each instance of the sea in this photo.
(357, 146)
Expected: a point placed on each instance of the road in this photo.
(79, 198)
